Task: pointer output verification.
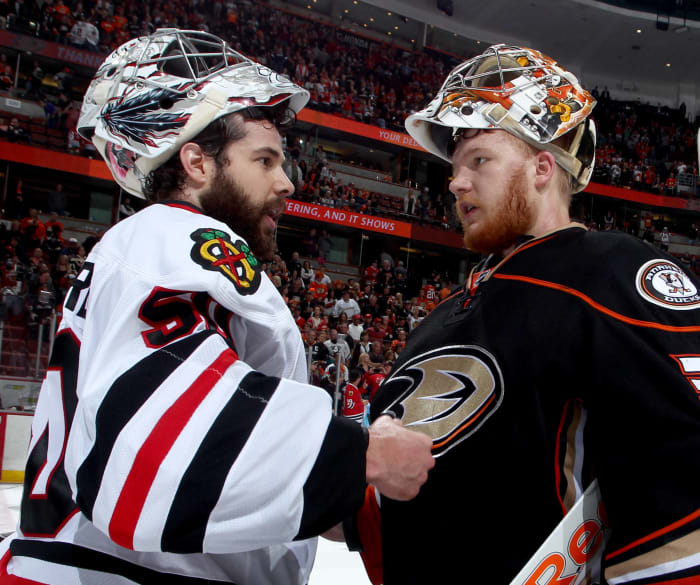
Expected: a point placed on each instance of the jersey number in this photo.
(170, 315)
(690, 368)
(78, 293)
(46, 501)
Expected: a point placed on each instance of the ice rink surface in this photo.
(335, 565)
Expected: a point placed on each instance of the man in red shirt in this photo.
(377, 332)
(374, 381)
(371, 273)
(353, 405)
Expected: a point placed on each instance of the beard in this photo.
(229, 202)
(506, 225)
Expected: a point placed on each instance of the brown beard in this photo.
(228, 202)
(510, 222)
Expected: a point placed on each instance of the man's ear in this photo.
(196, 164)
(545, 167)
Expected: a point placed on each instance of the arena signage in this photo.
(358, 128)
(348, 218)
(52, 50)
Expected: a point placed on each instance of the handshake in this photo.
(398, 460)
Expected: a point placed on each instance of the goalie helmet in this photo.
(155, 93)
(518, 90)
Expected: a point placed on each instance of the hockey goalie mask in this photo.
(518, 90)
(155, 93)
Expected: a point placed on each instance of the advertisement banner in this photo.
(19, 393)
(358, 128)
(52, 50)
(384, 225)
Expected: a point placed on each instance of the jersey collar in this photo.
(180, 204)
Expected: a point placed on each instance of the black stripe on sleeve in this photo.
(126, 396)
(202, 483)
(63, 553)
(336, 485)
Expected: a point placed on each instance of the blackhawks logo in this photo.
(214, 250)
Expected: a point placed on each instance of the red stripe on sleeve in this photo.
(155, 448)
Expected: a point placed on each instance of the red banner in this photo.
(358, 128)
(52, 50)
(384, 225)
(59, 161)
(639, 196)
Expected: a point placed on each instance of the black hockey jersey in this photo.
(578, 356)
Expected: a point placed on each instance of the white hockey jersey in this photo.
(175, 440)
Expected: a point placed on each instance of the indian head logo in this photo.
(663, 283)
(214, 250)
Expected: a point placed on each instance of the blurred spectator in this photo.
(317, 318)
(337, 346)
(319, 351)
(356, 329)
(374, 380)
(14, 131)
(353, 405)
(56, 200)
(32, 230)
(346, 305)
(77, 259)
(307, 273)
(325, 243)
(310, 243)
(36, 79)
(7, 75)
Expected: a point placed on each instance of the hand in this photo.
(398, 460)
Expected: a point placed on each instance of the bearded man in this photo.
(566, 356)
(175, 439)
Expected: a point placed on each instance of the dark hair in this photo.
(355, 374)
(169, 178)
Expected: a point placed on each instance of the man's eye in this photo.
(479, 160)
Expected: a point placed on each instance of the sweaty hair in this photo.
(168, 180)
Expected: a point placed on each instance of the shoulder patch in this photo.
(665, 284)
(447, 393)
(214, 250)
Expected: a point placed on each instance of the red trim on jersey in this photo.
(660, 532)
(59, 461)
(692, 580)
(185, 206)
(8, 579)
(369, 526)
(693, 376)
(155, 448)
(597, 306)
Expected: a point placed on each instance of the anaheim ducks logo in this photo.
(663, 283)
(447, 393)
(213, 250)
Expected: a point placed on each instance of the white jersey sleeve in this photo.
(190, 428)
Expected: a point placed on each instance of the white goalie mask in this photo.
(521, 91)
(155, 93)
